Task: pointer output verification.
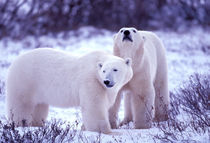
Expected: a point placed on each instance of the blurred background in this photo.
(19, 18)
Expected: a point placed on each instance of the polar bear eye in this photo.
(104, 71)
(115, 70)
(134, 31)
(121, 31)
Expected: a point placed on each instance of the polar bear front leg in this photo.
(128, 112)
(95, 118)
(143, 107)
(113, 111)
(94, 107)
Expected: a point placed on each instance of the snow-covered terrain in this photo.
(187, 52)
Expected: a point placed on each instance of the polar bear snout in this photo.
(126, 32)
(108, 83)
(127, 36)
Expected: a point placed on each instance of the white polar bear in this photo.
(44, 77)
(147, 92)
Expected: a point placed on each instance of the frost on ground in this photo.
(188, 52)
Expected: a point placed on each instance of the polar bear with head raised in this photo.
(147, 95)
(45, 77)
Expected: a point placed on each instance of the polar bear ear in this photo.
(114, 36)
(142, 36)
(99, 65)
(128, 61)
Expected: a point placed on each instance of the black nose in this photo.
(126, 32)
(106, 82)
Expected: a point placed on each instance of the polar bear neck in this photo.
(135, 53)
(111, 93)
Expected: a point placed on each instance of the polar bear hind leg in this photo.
(20, 113)
(161, 98)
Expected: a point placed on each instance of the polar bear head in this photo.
(115, 72)
(127, 42)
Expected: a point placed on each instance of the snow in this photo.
(185, 56)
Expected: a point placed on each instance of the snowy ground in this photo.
(187, 52)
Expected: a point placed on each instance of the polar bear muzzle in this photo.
(127, 36)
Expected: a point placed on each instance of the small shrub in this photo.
(56, 131)
(189, 110)
(53, 131)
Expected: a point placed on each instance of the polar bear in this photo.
(44, 77)
(147, 95)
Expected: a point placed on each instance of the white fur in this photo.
(44, 77)
(147, 92)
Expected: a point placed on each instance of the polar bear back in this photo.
(155, 52)
(45, 66)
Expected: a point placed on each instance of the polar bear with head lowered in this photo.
(147, 92)
(44, 77)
